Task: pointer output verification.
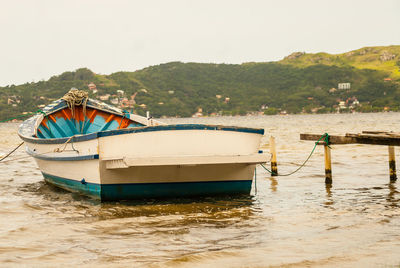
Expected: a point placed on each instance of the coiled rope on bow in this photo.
(76, 97)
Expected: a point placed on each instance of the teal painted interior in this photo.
(67, 128)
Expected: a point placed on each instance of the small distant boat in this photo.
(91, 147)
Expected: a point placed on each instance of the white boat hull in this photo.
(160, 162)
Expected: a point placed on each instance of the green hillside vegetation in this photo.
(385, 59)
(300, 83)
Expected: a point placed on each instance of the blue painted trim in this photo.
(179, 127)
(107, 133)
(113, 192)
(62, 158)
(87, 188)
(76, 138)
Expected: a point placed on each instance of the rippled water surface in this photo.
(289, 221)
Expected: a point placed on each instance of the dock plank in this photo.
(334, 139)
(366, 137)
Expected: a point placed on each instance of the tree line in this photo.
(180, 89)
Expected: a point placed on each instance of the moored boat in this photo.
(84, 145)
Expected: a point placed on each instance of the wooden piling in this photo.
(392, 164)
(328, 165)
(389, 139)
(272, 149)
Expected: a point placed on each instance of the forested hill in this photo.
(377, 58)
(299, 83)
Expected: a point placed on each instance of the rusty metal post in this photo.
(272, 149)
(392, 164)
(328, 165)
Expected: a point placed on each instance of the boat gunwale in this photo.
(90, 104)
(107, 133)
(61, 158)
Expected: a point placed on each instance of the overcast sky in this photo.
(43, 38)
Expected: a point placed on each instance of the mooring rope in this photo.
(73, 97)
(324, 136)
(255, 180)
(16, 148)
(326, 140)
(23, 157)
(59, 150)
(7, 155)
(122, 119)
(56, 150)
(23, 115)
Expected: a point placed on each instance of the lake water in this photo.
(292, 221)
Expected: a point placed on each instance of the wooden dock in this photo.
(389, 139)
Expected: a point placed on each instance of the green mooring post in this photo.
(272, 149)
(328, 165)
(392, 164)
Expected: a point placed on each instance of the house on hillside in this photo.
(344, 86)
(199, 113)
(352, 102)
(13, 100)
(114, 101)
(104, 97)
(386, 56)
(125, 103)
(92, 87)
